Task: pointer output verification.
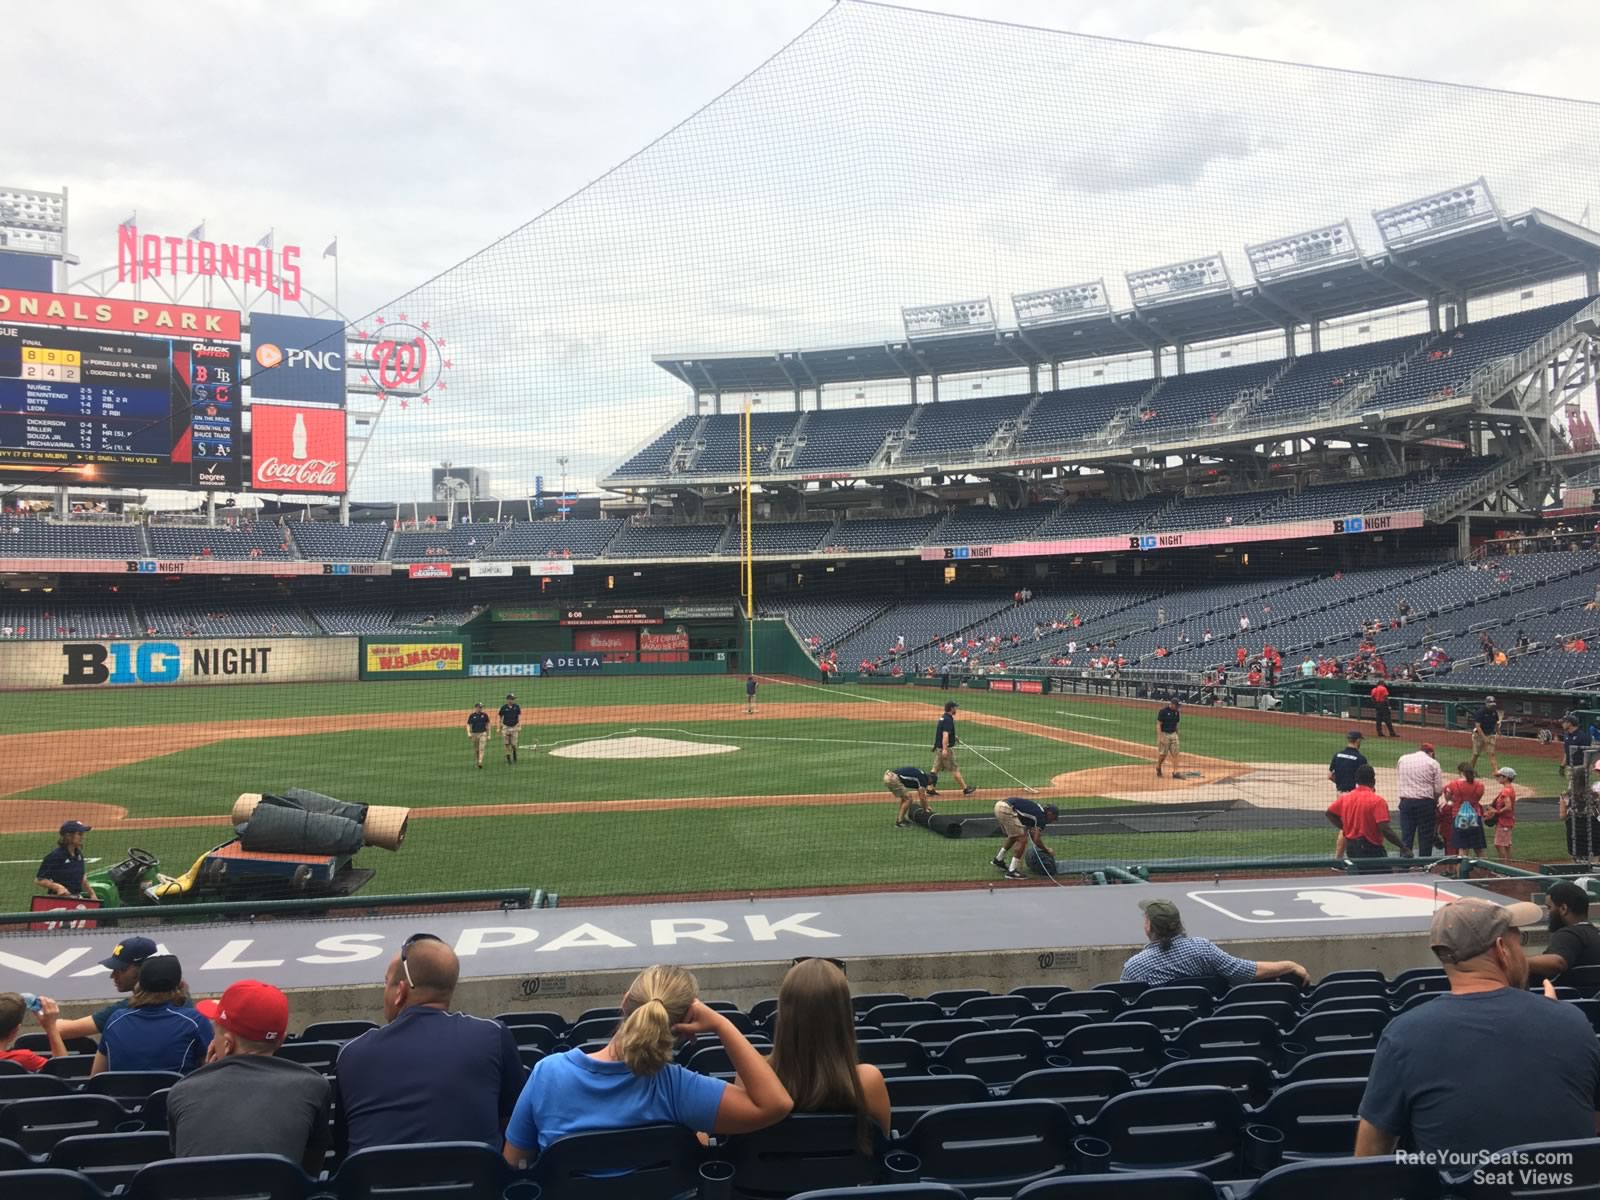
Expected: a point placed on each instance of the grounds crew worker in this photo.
(944, 747)
(478, 730)
(901, 782)
(1167, 719)
(1021, 821)
(61, 872)
(511, 725)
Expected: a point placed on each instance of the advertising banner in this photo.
(61, 904)
(603, 615)
(296, 358)
(355, 568)
(561, 567)
(616, 645)
(297, 450)
(490, 570)
(120, 316)
(428, 570)
(514, 613)
(393, 657)
(498, 670)
(697, 612)
(1001, 685)
(560, 663)
(154, 662)
(663, 647)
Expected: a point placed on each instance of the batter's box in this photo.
(1348, 902)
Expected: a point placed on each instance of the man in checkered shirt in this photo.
(1173, 955)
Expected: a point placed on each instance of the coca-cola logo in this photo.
(313, 472)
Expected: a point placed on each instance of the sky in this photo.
(418, 136)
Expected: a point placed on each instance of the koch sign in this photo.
(296, 358)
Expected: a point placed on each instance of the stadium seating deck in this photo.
(328, 541)
(28, 537)
(245, 541)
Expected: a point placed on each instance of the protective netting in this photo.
(561, 491)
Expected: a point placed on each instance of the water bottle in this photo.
(32, 1002)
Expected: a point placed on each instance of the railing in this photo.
(1493, 382)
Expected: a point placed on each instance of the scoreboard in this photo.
(122, 410)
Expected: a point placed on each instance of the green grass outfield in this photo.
(616, 852)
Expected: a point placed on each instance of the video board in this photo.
(120, 409)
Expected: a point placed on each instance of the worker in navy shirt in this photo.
(1021, 821)
(1167, 718)
(1342, 770)
(61, 872)
(1575, 744)
(510, 725)
(478, 731)
(1486, 733)
(429, 1075)
(901, 782)
(944, 747)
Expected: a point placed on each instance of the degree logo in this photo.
(268, 355)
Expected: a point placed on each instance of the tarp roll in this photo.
(318, 803)
(276, 829)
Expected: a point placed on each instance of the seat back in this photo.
(1331, 1064)
(1354, 1029)
(894, 1018)
(1416, 986)
(1168, 1018)
(1005, 1143)
(29, 1087)
(335, 1031)
(43, 1183)
(1194, 1127)
(319, 1056)
(110, 1159)
(658, 1161)
(1176, 996)
(1135, 1046)
(713, 1061)
(763, 1011)
(1128, 990)
(37, 1125)
(1040, 994)
(1082, 1091)
(1052, 1027)
(894, 1056)
(912, 1095)
(552, 1021)
(446, 1170)
(805, 1150)
(866, 1001)
(936, 1035)
(535, 1037)
(1145, 1185)
(1374, 1000)
(1585, 979)
(1229, 1037)
(1248, 1078)
(223, 1177)
(1317, 1117)
(999, 1011)
(1342, 1178)
(593, 1029)
(1363, 975)
(1280, 1012)
(1267, 989)
(999, 1056)
(1417, 1000)
(14, 1158)
(129, 1088)
(71, 1067)
(1102, 1006)
(953, 998)
(1573, 1161)
(610, 1013)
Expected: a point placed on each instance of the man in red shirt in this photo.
(1362, 817)
(1380, 703)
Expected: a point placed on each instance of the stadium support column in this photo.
(63, 505)
(344, 509)
(211, 508)
(1463, 537)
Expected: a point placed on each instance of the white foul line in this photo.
(1085, 716)
(833, 689)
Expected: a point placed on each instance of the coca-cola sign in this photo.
(297, 450)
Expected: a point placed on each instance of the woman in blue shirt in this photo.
(633, 1081)
(158, 1031)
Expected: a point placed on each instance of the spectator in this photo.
(12, 1009)
(814, 1053)
(633, 1081)
(1170, 954)
(244, 1100)
(1502, 813)
(124, 963)
(158, 1031)
(1419, 784)
(1543, 1069)
(1462, 811)
(429, 1075)
(1573, 941)
(1362, 818)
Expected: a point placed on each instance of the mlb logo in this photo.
(1340, 902)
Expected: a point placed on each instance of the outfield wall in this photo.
(156, 662)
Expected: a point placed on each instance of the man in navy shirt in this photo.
(944, 747)
(901, 782)
(1486, 732)
(750, 695)
(1021, 821)
(1342, 770)
(1167, 718)
(1577, 803)
(478, 731)
(510, 725)
(61, 872)
(429, 1075)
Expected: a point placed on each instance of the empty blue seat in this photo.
(1378, 1001)
(712, 1060)
(953, 998)
(1229, 1037)
(912, 1095)
(894, 1056)
(335, 1031)
(37, 1125)
(48, 1184)
(224, 1177)
(1418, 999)
(1331, 1064)
(14, 1158)
(1175, 996)
(1135, 1046)
(762, 1011)
(867, 1001)
(1100, 1005)
(110, 1160)
(1194, 1129)
(1358, 974)
(550, 1020)
(71, 1067)
(993, 1148)
(1082, 1091)
(936, 1035)
(998, 1056)
(805, 1150)
(658, 1161)
(1039, 995)
(1317, 1117)
(1052, 1027)
(319, 1056)
(894, 1018)
(1280, 1012)
(447, 1170)
(1353, 1029)
(998, 1011)
(23, 1086)
(1168, 1018)
(1417, 985)
(1141, 1185)
(892, 1191)
(1268, 989)
(538, 1037)
(1250, 1079)
(591, 1029)
(129, 1088)
(609, 1012)
(1128, 990)
(1341, 1179)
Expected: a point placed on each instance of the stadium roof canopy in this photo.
(1481, 254)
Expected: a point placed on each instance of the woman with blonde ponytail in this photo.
(633, 1080)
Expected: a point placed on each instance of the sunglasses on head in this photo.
(838, 962)
(405, 949)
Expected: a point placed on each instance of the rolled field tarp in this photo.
(386, 826)
(244, 806)
(273, 828)
(318, 803)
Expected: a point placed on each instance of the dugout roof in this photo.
(1514, 251)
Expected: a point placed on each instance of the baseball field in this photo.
(651, 785)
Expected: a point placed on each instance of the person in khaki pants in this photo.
(1167, 719)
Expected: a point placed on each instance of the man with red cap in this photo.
(244, 1100)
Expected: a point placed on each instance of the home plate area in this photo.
(639, 747)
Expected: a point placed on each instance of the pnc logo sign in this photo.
(300, 359)
(268, 355)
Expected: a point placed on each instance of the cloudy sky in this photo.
(882, 158)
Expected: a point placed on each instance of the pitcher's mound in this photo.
(639, 747)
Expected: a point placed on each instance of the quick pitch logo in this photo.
(95, 664)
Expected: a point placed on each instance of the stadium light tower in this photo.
(34, 223)
(1442, 212)
(562, 463)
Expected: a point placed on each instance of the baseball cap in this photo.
(1569, 895)
(160, 973)
(511, 695)
(130, 952)
(74, 827)
(1507, 772)
(1426, 747)
(1355, 735)
(1162, 914)
(949, 704)
(1490, 700)
(255, 1011)
(1464, 929)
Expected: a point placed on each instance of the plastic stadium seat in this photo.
(1194, 1129)
(529, 1056)
(1052, 1027)
(1580, 1158)
(998, 1057)
(1340, 1179)
(611, 1013)
(1167, 1018)
(110, 1160)
(1406, 976)
(1040, 994)
(891, 1191)
(1280, 1012)
(1100, 1005)
(1135, 1046)
(1270, 989)
(592, 1029)
(1360, 974)
(29, 1087)
(153, 1112)
(1355, 1029)
(320, 1056)
(866, 1001)
(994, 1148)
(37, 1125)
(537, 1037)
(936, 1035)
(1330, 988)
(912, 1095)
(8, 1067)
(552, 1021)
(1415, 1001)
(1419, 985)
(335, 1031)
(39, 1043)
(954, 998)
(1082, 1091)
(1317, 1117)
(660, 1161)
(1590, 1009)
(894, 1056)
(1333, 1064)
(1379, 1001)
(805, 1150)
(763, 1011)
(863, 1033)
(998, 1011)
(73, 1066)
(224, 1177)
(1229, 1037)
(1248, 1078)
(894, 1018)
(129, 1088)
(1585, 979)
(43, 1184)
(1129, 989)
(446, 1170)
(1141, 1185)
(712, 1060)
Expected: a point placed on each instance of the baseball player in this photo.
(478, 731)
(1167, 719)
(511, 725)
(901, 782)
(944, 747)
(1021, 821)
